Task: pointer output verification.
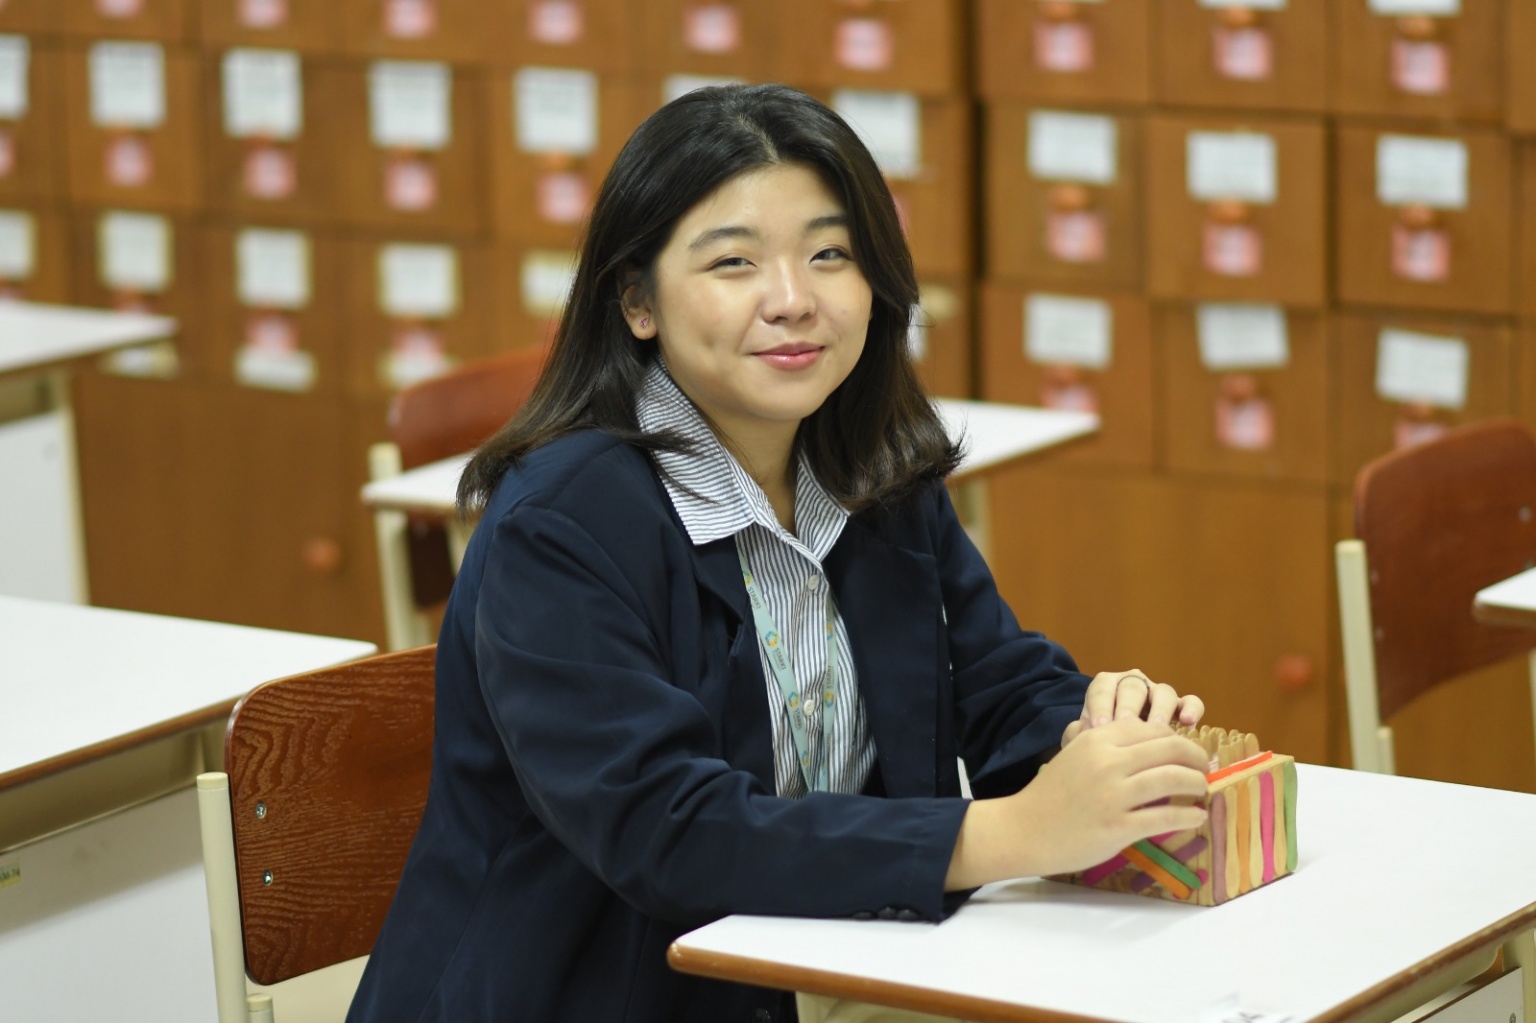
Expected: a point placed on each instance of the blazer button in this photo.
(909, 915)
(762, 1016)
(887, 913)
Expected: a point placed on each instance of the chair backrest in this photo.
(1440, 521)
(460, 410)
(328, 776)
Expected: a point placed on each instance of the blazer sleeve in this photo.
(616, 761)
(1015, 691)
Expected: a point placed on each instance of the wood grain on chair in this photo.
(1440, 521)
(328, 777)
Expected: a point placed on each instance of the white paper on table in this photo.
(674, 86)
(18, 245)
(1412, 169)
(1414, 367)
(890, 124)
(1240, 335)
(1432, 8)
(1073, 147)
(273, 268)
(15, 62)
(546, 280)
(135, 251)
(263, 94)
(555, 110)
(1065, 330)
(419, 281)
(410, 104)
(1239, 165)
(127, 85)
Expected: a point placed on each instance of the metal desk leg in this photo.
(61, 403)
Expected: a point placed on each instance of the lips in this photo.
(794, 355)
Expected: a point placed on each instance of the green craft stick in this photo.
(1290, 815)
(1152, 852)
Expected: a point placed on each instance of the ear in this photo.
(638, 313)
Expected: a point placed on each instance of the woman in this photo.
(719, 637)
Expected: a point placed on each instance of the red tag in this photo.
(11, 291)
(1065, 46)
(1076, 236)
(119, 8)
(410, 184)
(563, 197)
(1069, 395)
(130, 163)
(1233, 250)
(271, 333)
(555, 22)
(270, 172)
(131, 302)
(1421, 67)
(410, 19)
(1421, 253)
(262, 13)
(7, 152)
(1411, 430)
(1246, 54)
(712, 28)
(865, 44)
(1246, 424)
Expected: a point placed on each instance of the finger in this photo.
(1131, 732)
(1071, 732)
(1131, 695)
(1099, 703)
(1164, 704)
(1165, 749)
(1164, 782)
(1166, 818)
(1191, 710)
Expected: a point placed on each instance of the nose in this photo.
(790, 293)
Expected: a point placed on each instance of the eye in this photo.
(729, 263)
(831, 252)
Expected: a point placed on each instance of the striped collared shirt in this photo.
(716, 498)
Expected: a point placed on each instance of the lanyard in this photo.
(777, 651)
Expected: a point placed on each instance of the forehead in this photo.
(779, 195)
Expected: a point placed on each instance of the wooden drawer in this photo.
(913, 45)
(1245, 390)
(135, 134)
(30, 17)
(529, 303)
(165, 21)
(275, 297)
(1424, 220)
(1519, 71)
(457, 31)
(1078, 350)
(33, 140)
(1063, 196)
(1439, 68)
(941, 338)
(599, 35)
(1405, 378)
(1237, 208)
(1241, 57)
(307, 27)
(1064, 52)
(715, 38)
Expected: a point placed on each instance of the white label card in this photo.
(1073, 147)
(555, 110)
(15, 61)
(135, 251)
(18, 245)
(1059, 330)
(1414, 367)
(675, 86)
(273, 268)
(410, 104)
(890, 124)
(263, 94)
(1432, 8)
(419, 281)
(1231, 165)
(1238, 336)
(1423, 171)
(1252, 5)
(546, 281)
(127, 85)
(275, 371)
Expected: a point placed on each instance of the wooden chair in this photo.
(305, 836)
(1434, 523)
(448, 415)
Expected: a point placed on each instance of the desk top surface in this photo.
(1509, 602)
(1393, 873)
(995, 435)
(34, 336)
(74, 678)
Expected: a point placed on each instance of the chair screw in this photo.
(266, 877)
(261, 811)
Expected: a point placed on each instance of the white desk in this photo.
(104, 708)
(41, 539)
(1510, 602)
(1397, 878)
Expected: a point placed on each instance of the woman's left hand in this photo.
(1113, 695)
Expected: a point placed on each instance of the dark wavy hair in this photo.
(876, 440)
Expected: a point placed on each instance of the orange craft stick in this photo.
(1241, 765)
(1158, 874)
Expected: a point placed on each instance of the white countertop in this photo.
(34, 336)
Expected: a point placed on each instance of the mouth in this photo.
(794, 355)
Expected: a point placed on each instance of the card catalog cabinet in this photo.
(600, 35)
(915, 45)
(33, 140)
(940, 339)
(1234, 55)
(1432, 59)
(1064, 52)
(713, 38)
(457, 31)
(166, 21)
(302, 25)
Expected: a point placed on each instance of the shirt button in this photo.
(813, 582)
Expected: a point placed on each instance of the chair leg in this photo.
(223, 895)
(402, 623)
(258, 1008)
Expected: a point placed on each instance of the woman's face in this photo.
(759, 309)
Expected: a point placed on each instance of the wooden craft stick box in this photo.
(1248, 840)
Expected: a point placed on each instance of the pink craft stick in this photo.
(1094, 875)
(1267, 822)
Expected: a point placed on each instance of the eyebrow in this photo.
(716, 234)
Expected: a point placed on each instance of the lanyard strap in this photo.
(776, 649)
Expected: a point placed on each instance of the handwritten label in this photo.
(1231, 165)
(555, 110)
(1412, 170)
(410, 104)
(1060, 330)
(127, 85)
(273, 268)
(1073, 147)
(1414, 367)
(546, 281)
(891, 125)
(1237, 336)
(18, 245)
(15, 63)
(419, 281)
(134, 251)
(263, 94)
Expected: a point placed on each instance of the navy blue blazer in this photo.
(602, 776)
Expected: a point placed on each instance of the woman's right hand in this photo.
(1085, 805)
